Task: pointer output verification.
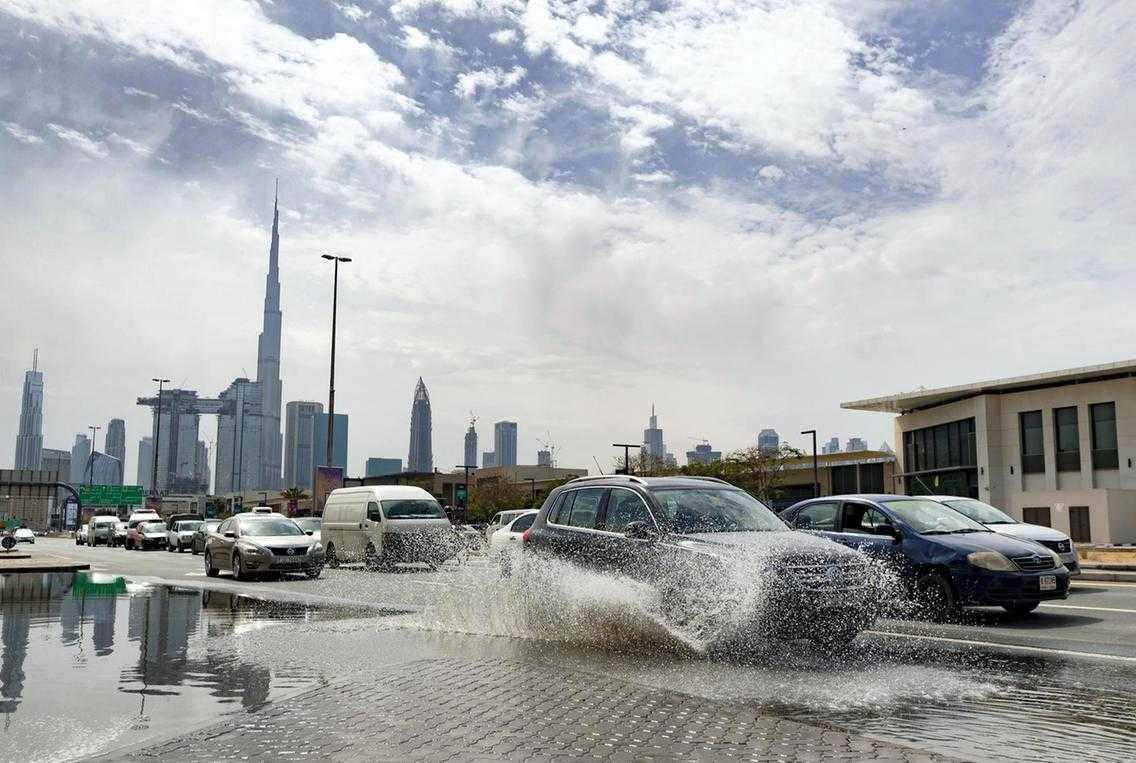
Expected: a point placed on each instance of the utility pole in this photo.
(533, 481)
(157, 436)
(466, 467)
(626, 454)
(91, 457)
(816, 471)
(331, 383)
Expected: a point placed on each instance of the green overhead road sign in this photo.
(111, 495)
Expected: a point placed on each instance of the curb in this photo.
(77, 567)
(1103, 575)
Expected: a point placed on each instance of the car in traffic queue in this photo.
(1000, 522)
(720, 561)
(146, 534)
(253, 543)
(101, 530)
(310, 525)
(24, 535)
(512, 534)
(384, 525)
(119, 534)
(201, 535)
(945, 559)
(500, 519)
(81, 534)
(180, 535)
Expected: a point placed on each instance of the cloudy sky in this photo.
(561, 211)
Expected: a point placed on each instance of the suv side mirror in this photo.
(892, 530)
(640, 530)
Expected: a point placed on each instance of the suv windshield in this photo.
(714, 510)
(413, 509)
(188, 526)
(269, 527)
(929, 517)
(153, 527)
(981, 512)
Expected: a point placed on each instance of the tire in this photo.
(371, 559)
(193, 548)
(1021, 607)
(169, 548)
(210, 570)
(331, 559)
(238, 568)
(935, 599)
(314, 573)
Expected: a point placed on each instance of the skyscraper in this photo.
(29, 440)
(80, 454)
(703, 453)
(653, 447)
(505, 442)
(299, 418)
(544, 458)
(238, 439)
(319, 440)
(145, 462)
(832, 446)
(421, 456)
(268, 456)
(102, 469)
(54, 460)
(768, 440)
(470, 446)
(201, 468)
(855, 444)
(382, 467)
(116, 441)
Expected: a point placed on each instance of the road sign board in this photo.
(111, 495)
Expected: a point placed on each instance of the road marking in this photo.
(1102, 583)
(1018, 647)
(1092, 609)
(195, 574)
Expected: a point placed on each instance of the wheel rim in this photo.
(208, 562)
(237, 567)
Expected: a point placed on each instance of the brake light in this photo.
(525, 536)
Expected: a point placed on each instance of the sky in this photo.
(560, 212)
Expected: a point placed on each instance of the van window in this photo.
(374, 514)
(413, 508)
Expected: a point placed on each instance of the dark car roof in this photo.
(875, 497)
(648, 482)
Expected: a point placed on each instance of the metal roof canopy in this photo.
(905, 402)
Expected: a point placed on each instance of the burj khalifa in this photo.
(268, 365)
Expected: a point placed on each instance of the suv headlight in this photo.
(1056, 557)
(991, 560)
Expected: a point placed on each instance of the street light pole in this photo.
(91, 457)
(157, 436)
(626, 454)
(533, 481)
(465, 506)
(816, 472)
(331, 381)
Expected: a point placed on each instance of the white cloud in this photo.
(80, 140)
(639, 124)
(414, 38)
(136, 146)
(504, 36)
(655, 178)
(136, 91)
(21, 134)
(771, 172)
(495, 78)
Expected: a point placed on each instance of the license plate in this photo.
(1048, 582)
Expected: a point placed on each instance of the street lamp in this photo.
(466, 467)
(331, 382)
(533, 481)
(157, 436)
(816, 475)
(626, 454)
(91, 458)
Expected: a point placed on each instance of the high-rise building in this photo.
(768, 440)
(653, 447)
(703, 453)
(201, 473)
(80, 454)
(855, 444)
(146, 462)
(470, 446)
(421, 456)
(102, 469)
(505, 443)
(339, 444)
(299, 417)
(265, 469)
(179, 423)
(54, 460)
(116, 441)
(382, 467)
(488, 459)
(29, 440)
(832, 446)
(238, 439)
(544, 458)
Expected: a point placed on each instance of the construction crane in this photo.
(549, 445)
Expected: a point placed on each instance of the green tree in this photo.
(487, 498)
(643, 465)
(759, 472)
(293, 496)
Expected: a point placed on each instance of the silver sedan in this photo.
(249, 544)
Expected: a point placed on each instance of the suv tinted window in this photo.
(585, 506)
(523, 523)
(816, 516)
(562, 500)
(623, 508)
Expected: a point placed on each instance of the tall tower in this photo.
(653, 446)
(116, 441)
(268, 365)
(471, 444)
(505, 443)
(29, 441)
(421, 456)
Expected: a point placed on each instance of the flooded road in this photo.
(92, 663)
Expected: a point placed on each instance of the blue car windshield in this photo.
(928, 517)
(714, 510)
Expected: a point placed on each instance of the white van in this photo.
(382, 525)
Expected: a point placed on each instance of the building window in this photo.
(1103, 416)
(1037, 515)
(844, 480)
(1033, 448)
(872, 478)
(1068, 440)
(1079, 529)
(944, 446)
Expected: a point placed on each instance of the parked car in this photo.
(946, 559)
(383, 525)
(500, 519)
(119, 534)
(173, 519)
(201, 534)
(81, 535)
(101, 530)
(706, 547)
(1001, 522)
(248, 544)
(24, 535)
(180, 535)
(310, 525)
(510, 534)
(148, 534)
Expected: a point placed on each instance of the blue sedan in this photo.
(946, 560)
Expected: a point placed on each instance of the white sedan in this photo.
(24, 535)
(510, 535)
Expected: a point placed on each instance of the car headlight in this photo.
(991, 560)
(1056, 557)
(249, 548)
(316, 548)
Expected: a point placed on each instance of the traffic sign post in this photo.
(111, 495)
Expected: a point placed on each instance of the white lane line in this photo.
(1102, 584)
(1017, 647)
(195, 574)
(1047, 605)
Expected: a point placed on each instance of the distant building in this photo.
(146, 462)
(299, 451)
(421, 455)
(339, 444)
(703, 453)
(832, 446)
(116, 441)
(768, 440)
(544, 458)
(653, 447)
(470, 446)
(29, 440)
(201, 473)
(505, 443)
(53, 460)
(381, 467)
(855, 444)
(238, 440)
(885, 448)
(102, 469)
(488, 459)
(80, 453)
(670, 461)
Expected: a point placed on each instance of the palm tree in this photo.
(293, 496)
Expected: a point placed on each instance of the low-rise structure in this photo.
(865, 471)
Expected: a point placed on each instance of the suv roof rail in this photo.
(707, 479)
(628, 477)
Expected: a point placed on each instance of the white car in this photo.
(1001, 522)
(510, 534)
(24, 535)
(180, 536)
(500, 519)
(81, 535)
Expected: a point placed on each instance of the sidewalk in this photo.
(463, 709)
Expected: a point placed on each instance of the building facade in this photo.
(544, 458)
(488, 459)
(299, 449)
(854, 444)
(237, 467)
(832, 446)
(505, 443)
(470, 446)
(1054, 448)
(80, 454)
(837, 474)
(768, 440)
(58, 461)
(29, 439)
(266, 467)
(703, 453)
(421, 455)
(146, 463)
(382, 467)
(102, 469)
(116, 441)
(654, 448)
(339, 444)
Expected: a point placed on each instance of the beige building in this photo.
(1055, 448)
(864, 471)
